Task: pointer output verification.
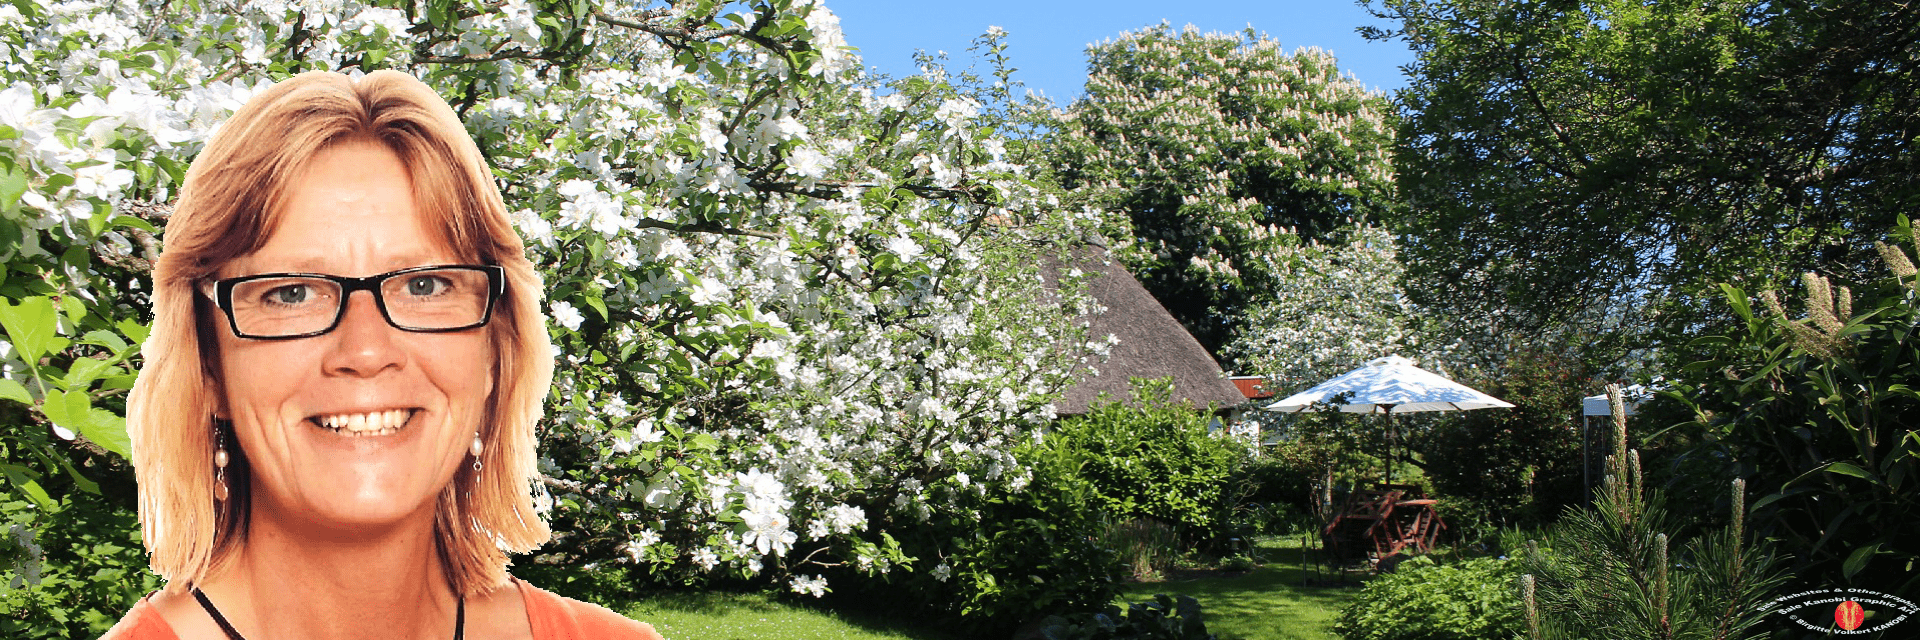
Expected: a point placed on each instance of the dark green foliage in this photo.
(1165, 618)
(1156, 459)
(92, 571)
(1425, 600)
(1285, 474)
(1606, 162)
(1511, 467)
(1819, 415)
(1279, 488)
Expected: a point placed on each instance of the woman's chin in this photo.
(363, 509)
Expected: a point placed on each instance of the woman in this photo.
(333, 430)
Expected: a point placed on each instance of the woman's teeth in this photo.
(378, 423)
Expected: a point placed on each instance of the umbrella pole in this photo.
(1389, 443)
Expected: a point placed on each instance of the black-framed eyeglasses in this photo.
(433, 299)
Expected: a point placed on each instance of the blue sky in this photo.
(1047, 39)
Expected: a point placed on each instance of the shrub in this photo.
(1031, 552)
(1512, 467)
(1279, 488)
(1165, 618)
(1818, 414)
(1424, 600)
(1155, 459)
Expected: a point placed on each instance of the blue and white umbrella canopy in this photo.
(1390, 385)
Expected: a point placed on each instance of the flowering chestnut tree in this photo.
(1223, 150)
(794, 311)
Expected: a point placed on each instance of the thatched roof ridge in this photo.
(1152, 344)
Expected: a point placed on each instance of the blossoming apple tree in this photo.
(793, 310)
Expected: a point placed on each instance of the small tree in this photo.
(1610, 571)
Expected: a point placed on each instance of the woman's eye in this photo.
(426, 285)
(289, 294)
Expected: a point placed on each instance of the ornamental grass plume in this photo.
(1896, 260)
(1614, 572)
(1828, 310)
(1820, 303)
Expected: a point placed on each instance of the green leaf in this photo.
(56, 407)
(11, 389)
(22, 477)
(104, 338)
(133, 330)
(130, 221)
(31, 328)
(13, 184)
(599, 305)
(1738, 299)
(1848, 469)
(109, 430)
(80, 481)
(1858, 560)
(84, 372)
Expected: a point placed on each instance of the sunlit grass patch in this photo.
(1268, 603)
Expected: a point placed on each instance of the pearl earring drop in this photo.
(220, 492)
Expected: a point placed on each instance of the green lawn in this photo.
(753, 616)
(1268, 603)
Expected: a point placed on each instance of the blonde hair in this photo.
(229, 206)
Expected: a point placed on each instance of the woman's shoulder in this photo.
(557, 617)
(143, 622)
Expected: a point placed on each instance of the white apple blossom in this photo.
(567, 316)
(770, 349)
(815, 586)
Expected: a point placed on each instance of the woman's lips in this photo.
(374, 423)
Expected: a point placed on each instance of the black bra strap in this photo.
(460, 620)
(217, 618)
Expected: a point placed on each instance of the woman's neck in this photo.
(294, 580)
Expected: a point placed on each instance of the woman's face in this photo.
(305, 410)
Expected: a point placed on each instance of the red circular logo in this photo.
(1849, 615)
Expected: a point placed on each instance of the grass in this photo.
(714, 615)
(1268, 603)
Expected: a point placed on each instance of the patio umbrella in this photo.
(1390, 385)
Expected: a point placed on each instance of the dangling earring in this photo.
(476, 449)
(219, 463)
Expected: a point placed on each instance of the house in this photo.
(1152, 345)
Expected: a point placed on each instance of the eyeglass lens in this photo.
(295, 305)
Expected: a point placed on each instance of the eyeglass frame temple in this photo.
(222, 295)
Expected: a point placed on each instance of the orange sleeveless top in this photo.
(553, 617)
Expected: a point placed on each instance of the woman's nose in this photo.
(364, 344)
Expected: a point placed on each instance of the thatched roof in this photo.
(1152, 345)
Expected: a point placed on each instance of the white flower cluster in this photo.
(1335, 307)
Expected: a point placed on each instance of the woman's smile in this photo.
(377, 423)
